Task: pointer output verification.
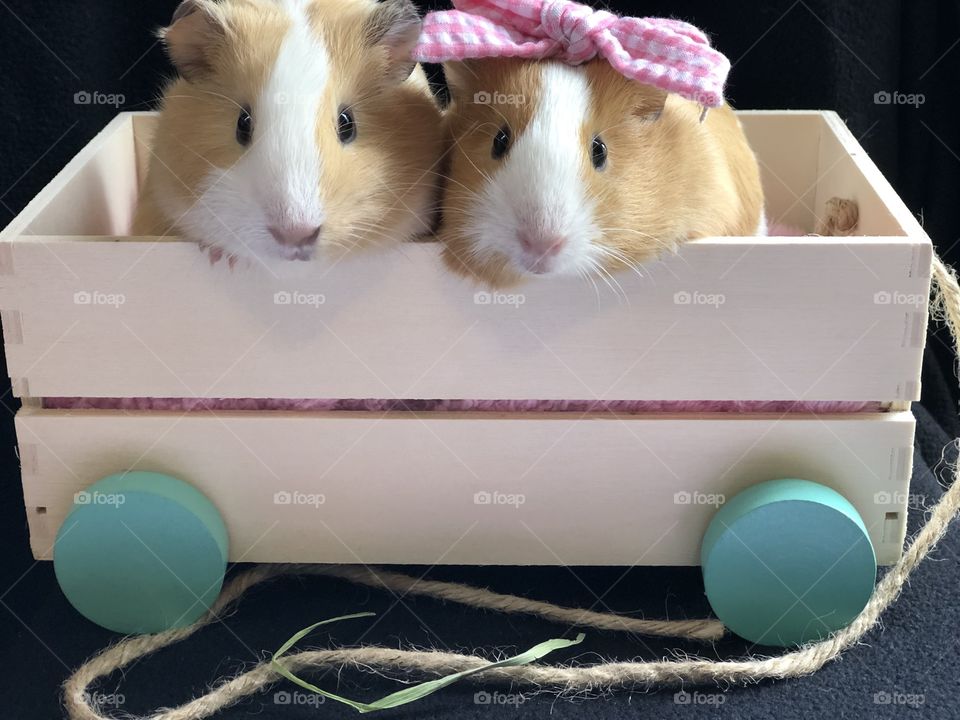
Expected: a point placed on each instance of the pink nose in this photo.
(296, 236)
(541, 245)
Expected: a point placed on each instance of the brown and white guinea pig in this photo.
(563, 170)
(295, 127)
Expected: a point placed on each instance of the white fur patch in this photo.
(277, 181)
(539, 187)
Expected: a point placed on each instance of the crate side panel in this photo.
(845, 170)
(725, 319)
(788, 169)
(144, 129)
(468, 490)
(97, 194)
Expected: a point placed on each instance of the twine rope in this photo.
(80, 704)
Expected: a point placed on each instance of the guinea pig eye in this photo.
(244, 127)
(346, 127)
(501, 142)
(598, 153)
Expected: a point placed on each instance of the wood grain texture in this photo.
(403, 488)
(724, 320)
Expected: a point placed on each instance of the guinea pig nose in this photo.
(296, 235)
(541, 245)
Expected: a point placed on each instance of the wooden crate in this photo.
(88, 312)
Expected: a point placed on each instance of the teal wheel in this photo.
(141, 552)
(787, 562)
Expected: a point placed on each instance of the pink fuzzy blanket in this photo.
(632, 407)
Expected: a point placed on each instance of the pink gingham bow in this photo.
(669, 54)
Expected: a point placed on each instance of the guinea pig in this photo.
(576, 170)
(296, 128)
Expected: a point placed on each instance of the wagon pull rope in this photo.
(944, 306)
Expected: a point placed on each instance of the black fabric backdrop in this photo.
(802, 54)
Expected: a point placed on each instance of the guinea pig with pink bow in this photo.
(583, 143)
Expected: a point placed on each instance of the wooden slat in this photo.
(404, 489)
(798, 320)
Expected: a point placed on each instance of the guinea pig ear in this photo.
(649, 102)
(395, 26)
(459, 76)
(194, 31)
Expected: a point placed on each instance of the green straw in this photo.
(415, 692)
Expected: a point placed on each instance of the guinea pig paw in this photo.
(232, 261)
(215, 255)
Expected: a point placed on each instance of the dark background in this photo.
(802, 54)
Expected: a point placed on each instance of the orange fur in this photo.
(668, 179)
(381, 187)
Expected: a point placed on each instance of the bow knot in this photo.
(573, 25)
(668, 54)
